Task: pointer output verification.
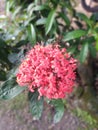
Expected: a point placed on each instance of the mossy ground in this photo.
(15, 115)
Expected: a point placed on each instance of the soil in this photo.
(15, 115)
(12, 118)
(9, 121)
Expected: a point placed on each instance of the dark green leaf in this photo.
(84, 52)
(90, 40)
(4, 51)
(72, 49)
(94, 17)
(67, 4)
(12, 73)
(21, 43)
(84, 18)
(2, 75)
(2, 43)
(32, 34)
(59, 108)
(65, 18)
(36, 105)
(74, 34)
(9, 89)
(13, 58)
(50, 20)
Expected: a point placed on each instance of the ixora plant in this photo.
(49, 73)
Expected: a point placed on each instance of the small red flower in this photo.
(49, 69)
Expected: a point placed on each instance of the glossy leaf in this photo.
(3, 51)
(30, 7)
(2, 43)
(2, 75)
(12, 73)
(65, 18)
(32, 34)
(74, 34)
(84, 18)
(36, 105)
(72, 49)
(7, 8)
(41, 21)
(59, 108)
(40, 7)
(10, 89)
(16, 11)
(13, 58)
(84, 52)
(50, 21)
(92, 50)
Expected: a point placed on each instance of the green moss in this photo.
(89, 121)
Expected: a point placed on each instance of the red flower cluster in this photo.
(48, 69)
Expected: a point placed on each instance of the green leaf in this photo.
(12, 73)
(32, 34)
(84, 18)
(35, 7)
(74, 34)
(36, 105)
(7, 8)
(30, 10)
(30, 7)
(40, 7)
(9, 89)
(65, 18)
(3, 51)
(41, 21)
(2, 43)
(84, 52)
(94, 16)
(72, 49)
(2, 75)
(16, 11)
(21, 43)
(92, 50)
(59, 108)
(36, 2)
(13, 57)
(50, 21)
